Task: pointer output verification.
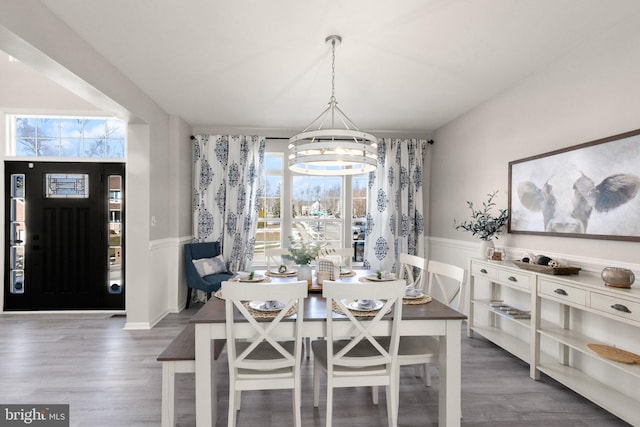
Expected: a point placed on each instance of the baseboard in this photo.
(134, 326)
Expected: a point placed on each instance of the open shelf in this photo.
(578, 341)
(508, 342)
(485, 304)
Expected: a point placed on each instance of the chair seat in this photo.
(262, 352)
(362, 350)
(214, 281)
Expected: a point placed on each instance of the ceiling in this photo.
(405, 67)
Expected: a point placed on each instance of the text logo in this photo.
(34, 415)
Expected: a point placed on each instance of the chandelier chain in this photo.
(333, 71)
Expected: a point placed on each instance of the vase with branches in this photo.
(483, 223)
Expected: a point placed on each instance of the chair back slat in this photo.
(450, 281)
(342, 256)
(413, 268)
(274, 258)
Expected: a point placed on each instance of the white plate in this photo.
(374, 277)
(353, 305)
(261, 306)
(256, 278)
(416, 296)
(345, 270)
(289, 271)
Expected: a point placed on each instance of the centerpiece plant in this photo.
(302, 253)
(483, 223)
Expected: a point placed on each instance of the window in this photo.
(66, 137)
(359, 187)
(327, 208)
(316, 205)
(268, 234)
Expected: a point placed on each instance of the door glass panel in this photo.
(18, 234)
(17, 185)
(115, 234)
(17, 258)
(17, 282)
(70, 186)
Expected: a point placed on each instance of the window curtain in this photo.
(395, 207)
(226, 172)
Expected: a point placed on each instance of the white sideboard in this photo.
(574, 295)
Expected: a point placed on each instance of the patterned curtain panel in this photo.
(225, 193)
(395, 217)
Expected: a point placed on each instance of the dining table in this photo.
(428, 319)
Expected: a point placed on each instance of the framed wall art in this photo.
(591, 190)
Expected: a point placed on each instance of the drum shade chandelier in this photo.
(332, 151)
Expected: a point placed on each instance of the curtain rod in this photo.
(268, 137)
(430, 142)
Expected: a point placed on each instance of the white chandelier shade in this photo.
(332, 150)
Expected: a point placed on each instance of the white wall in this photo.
(591, 93)
(180, 213)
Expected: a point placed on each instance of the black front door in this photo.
(64, 252)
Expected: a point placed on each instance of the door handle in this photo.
(482, 270)
(561, 292)
(513, 279)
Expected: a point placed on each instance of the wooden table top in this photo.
(315, 308)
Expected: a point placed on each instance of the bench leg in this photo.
(168, 394)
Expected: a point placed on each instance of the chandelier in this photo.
(332, 150)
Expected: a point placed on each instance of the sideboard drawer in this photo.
(616, 306)
(490, 273)
(562, 292)
(516, 279)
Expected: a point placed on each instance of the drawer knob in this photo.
(482, 270)
(621, 308)
(561, 292)
(513, 279)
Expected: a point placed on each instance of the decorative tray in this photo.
(616, 354)
(561, 270)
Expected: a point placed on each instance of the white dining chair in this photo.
(343, 257)
(413, 268)
(351, 355)
(275, 260)
(261, 355)
(420, 350)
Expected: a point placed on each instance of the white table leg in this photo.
(449, 399)
(206, 413)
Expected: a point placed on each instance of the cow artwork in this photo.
(567, 199)
(590, 190)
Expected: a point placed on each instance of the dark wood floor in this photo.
(110, 377)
